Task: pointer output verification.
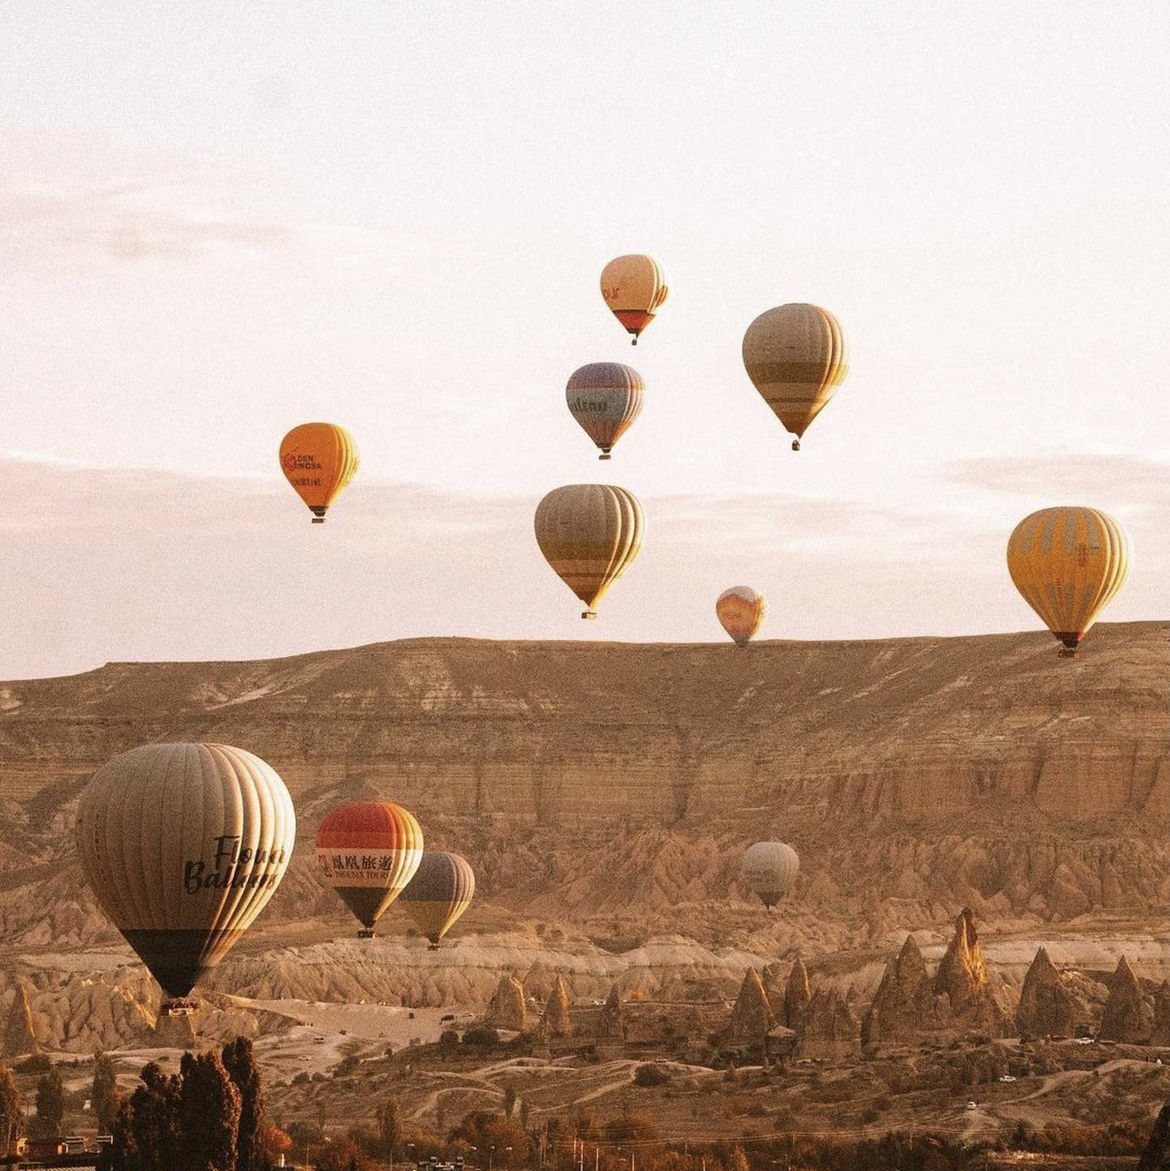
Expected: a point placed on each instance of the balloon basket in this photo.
(180, 1006)
(366, 933)
(1068, 652)
(317, 520)
(605, 455)
(589, 614)
(796, 445)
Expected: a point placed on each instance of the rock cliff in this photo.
(1128, 1016)
(1047, 1008)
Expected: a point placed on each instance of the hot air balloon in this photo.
(634, 289)
(589, 534)
(605, 398)
(795, 355)
(769, 870)
(318, 459)
(440, 891)
(183, 845)
(1068, 563)
(368, 851)
(742, 611)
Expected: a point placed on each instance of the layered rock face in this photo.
(613, 787)
(962, 978)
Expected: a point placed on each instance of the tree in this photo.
(104, 1098)
(343, 1155)
(152, 1114)
(50, 1105)
(509, 1099)
(11, 1114)
(238, 1060)
(209, 1114)
(390, 1127)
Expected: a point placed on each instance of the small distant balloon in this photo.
(590, 535)
(184, 844)
(368, 851)
(318, 460)
(795, 355)
(440, 891)
(769, 870)
(1068, 563)
(605, 398)
(634, 289)
(742, 611)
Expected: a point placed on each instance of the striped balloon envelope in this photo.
(769, 870)
(184, 844)
(318, 460)
(795, 356)
(605, 398)
(590, 535)
(440, 891)
(1068, 563)
(368, 851)
(634, 289)
(741, 612)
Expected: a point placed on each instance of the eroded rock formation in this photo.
(555, 1021)
(797, 994)
(828, 1026)
(507, 1009)
(1047, 1008)
(751, 1017)
(904, 1002)
(1128, 1015)
(963, 979)
(19, 1031)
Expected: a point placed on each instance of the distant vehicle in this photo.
(1007, 1077)
(972, 1105)
(1085, 1041)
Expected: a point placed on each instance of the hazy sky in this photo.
(220, 220)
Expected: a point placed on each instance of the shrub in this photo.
(650, 1075)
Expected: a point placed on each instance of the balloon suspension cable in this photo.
(796, 445)
(589, 614)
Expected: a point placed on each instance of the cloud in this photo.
(112, 564)
(1140, 485)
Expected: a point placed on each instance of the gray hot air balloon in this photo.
(769, 870)
(183, 845)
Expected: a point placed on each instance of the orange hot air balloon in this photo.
(742, 611)
(1068, 563)
(634, 290)
(183, 845)
(368, 851)
(605, 398)
(590, 535)
(318, 460)
(440, 891)
(795, 356)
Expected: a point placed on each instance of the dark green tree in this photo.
(104, 1098)
(50, 1105)
(209, 1115)
(152, 1115)
(238, 1060)
(11, 1114)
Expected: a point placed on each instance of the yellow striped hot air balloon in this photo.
(440, 891)
(368, 851)
(1068, 563)
(183, 845)
(634, 290)
(742, 611)
(605, 398)
(318, 460)
(795, 355)
(590, 535)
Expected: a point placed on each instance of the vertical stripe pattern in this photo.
(605, 398)
(1068, 563)
(440, 891)
(796, 357)
(590, 535)
(634, 289)
(184, 844)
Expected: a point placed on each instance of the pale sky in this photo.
(218, 221)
